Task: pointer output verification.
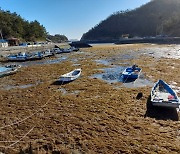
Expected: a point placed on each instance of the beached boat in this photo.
(57, 50)
(34, 56)
(71, 76)
(8, 70)
(163, 95)
(18, 57)
(48, 53)
(131, 72)
(74, 49)
(66, 50)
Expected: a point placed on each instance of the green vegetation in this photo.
(57, 38)
(13, 25)
(158, 17)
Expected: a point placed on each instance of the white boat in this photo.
(71, 76)
(163, 95)
(8, 70)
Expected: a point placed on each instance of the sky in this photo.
(71, 18)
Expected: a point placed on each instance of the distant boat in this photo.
(131, 72)
(8, 70)
(18, 57)
(71, 76)
(67, 50)
(22, 56)
(163, 95)
(34, 56)
(57, 50)
(48, 53)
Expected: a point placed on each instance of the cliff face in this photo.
(154, 18)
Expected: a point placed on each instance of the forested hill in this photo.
(154, 18)
(13, 25)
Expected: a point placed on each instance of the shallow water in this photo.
(110, 75)
(164, 52)
(138, 83)
(41, 62)
(102, 61)
(114, 75)
(65, 92)
(9, 87)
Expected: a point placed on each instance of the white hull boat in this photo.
(163, 95)
(71, 76)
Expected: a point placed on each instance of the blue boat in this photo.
(163, 95)
(8, 70)
(18, 57)
(131, 73)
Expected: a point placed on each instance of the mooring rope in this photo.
(15, 142)
(35, 112)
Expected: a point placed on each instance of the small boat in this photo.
(34, 56)
(74, 48)
(71, 76)
(18, 57)
(8, 70)
(57, 50)
(163, 95)
(48, 53)
(67, 50)
(131, 72)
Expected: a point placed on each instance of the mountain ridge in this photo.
(157, 17)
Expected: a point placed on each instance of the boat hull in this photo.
(130, 73)
(69, 77)
(8, 70)
(163, 95)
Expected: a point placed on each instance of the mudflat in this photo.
(90, 114)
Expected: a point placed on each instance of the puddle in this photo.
(65, 92)
(102, 61)
(76, 64)
(114, 75)
(110, 75)
(138, 83)
(41, 62)
(9, 87)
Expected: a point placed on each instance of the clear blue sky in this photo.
(71, 18)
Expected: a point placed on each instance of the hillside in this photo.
(13, 25)
(154, 18)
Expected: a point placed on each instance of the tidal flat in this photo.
(91, 114)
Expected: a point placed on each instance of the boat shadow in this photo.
(160, 113)
(60, 82)
(128, 80)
